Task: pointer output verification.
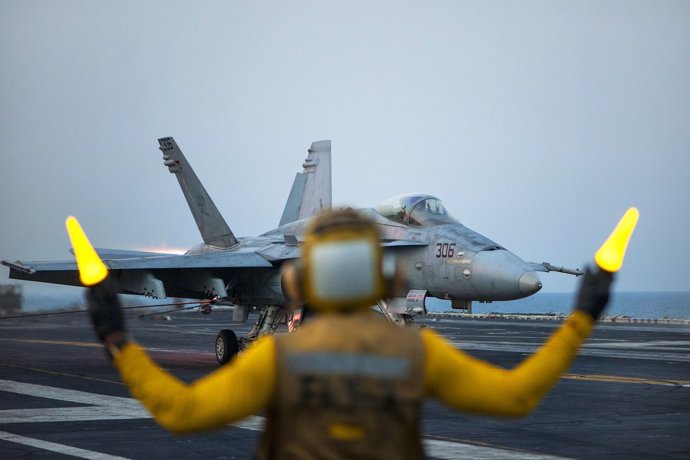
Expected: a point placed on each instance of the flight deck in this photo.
(626, 396)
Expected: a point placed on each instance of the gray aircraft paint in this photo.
(311, 190)
(442, 258)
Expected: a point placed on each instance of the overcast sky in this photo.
(538, 123)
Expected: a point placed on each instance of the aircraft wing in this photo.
(143, 274)
(547, 267)
(58, 272)
(21, 270)
(123, 253)
(235, 259)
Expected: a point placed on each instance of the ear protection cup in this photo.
(342, 265)
(291, 282)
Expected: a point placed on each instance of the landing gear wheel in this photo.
(227, 346)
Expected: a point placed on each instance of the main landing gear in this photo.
(227, 343)
(227, 346)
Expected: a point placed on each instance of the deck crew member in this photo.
(348, 384)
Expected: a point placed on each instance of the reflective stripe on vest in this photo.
(350, 364)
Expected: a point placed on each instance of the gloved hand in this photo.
(593, 293)
(104, 308)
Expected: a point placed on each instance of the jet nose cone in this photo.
(529, 283)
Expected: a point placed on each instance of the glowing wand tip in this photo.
(610, 255)
(92, 270)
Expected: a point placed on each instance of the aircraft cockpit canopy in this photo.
(416, 209)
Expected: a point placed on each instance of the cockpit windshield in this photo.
(417, 210)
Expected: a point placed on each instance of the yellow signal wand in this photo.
(610, 256)
(92, 270)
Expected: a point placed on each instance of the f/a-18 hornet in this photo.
(442, 258)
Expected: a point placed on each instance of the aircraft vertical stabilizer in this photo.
(311, 190)
(212, 226)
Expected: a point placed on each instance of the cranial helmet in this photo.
(342, 265)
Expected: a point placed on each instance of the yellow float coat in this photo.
(246, 385)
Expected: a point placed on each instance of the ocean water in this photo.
(633, 304)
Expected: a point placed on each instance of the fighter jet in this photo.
(441, 257)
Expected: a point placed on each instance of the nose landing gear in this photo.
(227, 343)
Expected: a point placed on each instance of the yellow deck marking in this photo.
(624, 379)
(63, 374)
(585, 377)
(60, 342)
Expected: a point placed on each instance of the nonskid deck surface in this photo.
(626, 396)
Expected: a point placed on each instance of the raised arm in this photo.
(470, 384)
(232, 392)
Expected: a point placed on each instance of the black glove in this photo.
(593, 294)
(104, 308)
